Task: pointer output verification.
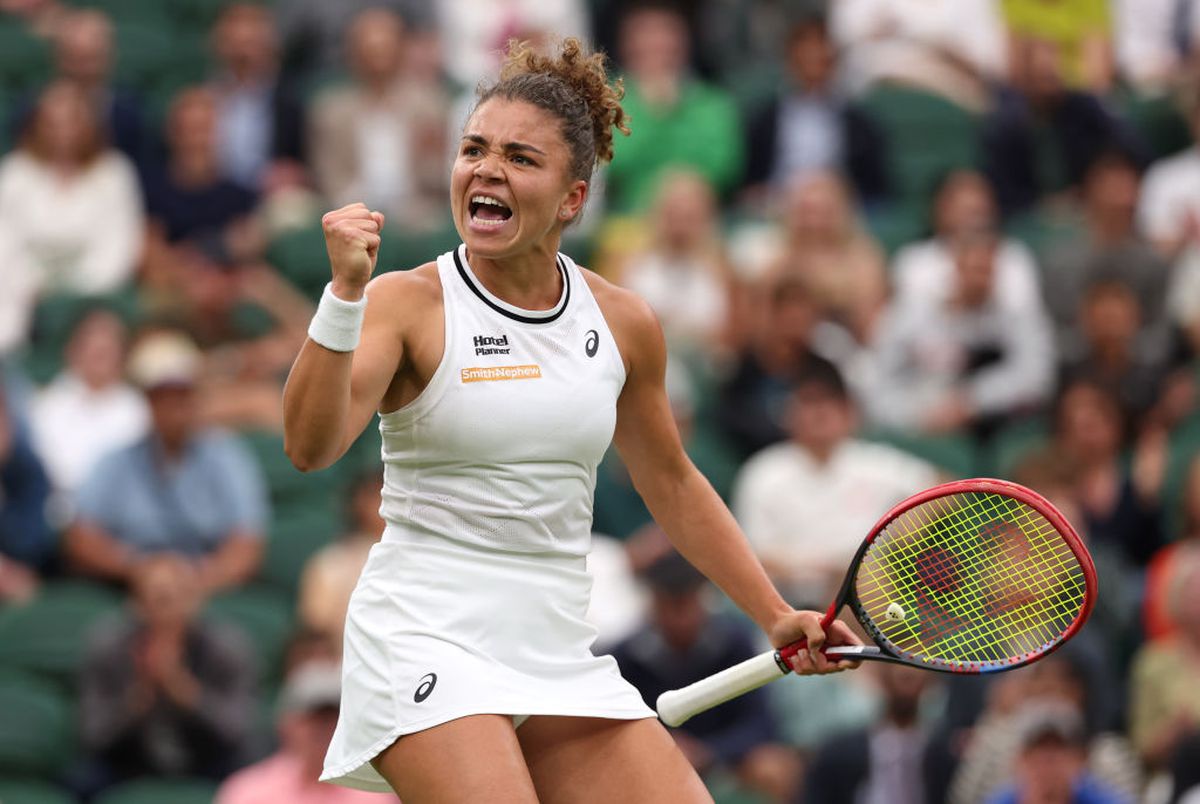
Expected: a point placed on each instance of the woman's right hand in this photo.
(352, 237)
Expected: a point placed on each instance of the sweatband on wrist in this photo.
(338, 322)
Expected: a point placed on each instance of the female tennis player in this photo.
(501, 372)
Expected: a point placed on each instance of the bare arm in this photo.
(330, 396)
(682, 500)
(94, 552)
(233, 563)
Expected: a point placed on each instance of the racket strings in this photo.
(971, 578)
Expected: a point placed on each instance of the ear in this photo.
(573, 201)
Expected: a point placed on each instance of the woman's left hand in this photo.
(796, 625)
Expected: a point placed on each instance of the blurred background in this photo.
(891, 242)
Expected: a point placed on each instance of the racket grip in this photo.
(676, 706)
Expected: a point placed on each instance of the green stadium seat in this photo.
(1184, 448)
(48, 635)
(926, 135)
(37, 729)
(1158, 119)
(953, 453)
(25, 60)
(296, 533)
(264, 615)
(1014, 443)
(160, 791)
(29, 791)
(122, 11)
(53, 319)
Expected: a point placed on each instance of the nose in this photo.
(488, 168)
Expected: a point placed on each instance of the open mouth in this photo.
(488, 211)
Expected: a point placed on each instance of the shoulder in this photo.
(623, 309)
(418, 285)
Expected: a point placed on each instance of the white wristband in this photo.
(338, 322)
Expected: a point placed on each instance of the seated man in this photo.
(182, 489)
(684, 642)
(162, 691)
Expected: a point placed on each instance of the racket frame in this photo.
(882, 650)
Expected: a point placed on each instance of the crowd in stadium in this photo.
(890, 243)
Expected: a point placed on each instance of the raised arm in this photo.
(682, 500)
(331, 395)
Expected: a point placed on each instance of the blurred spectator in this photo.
(825, 246)
(895, 761)
(1050, 766)
(313, 32)
(1158, 619)
(1040, 141)
(671, 107)
(88, 409)
(260, 122)
(84, 57)
(963, 201)
(372, 140)
(752, 406)
(190, 195)
(1154, 41)
(478, 33)
(183, 489)
(332, 573)
(163, 691)
(953, 48)
(70, 210)
(806, 504)
(812, 127)
(1120, 501)
(26, 541)
(1170, 206)
(248, 320)
(1081, 30)
(1110, 351)
(1057, 692)
(969, 359)
(306, 715)
(684, 642)
(1111, 250)
(1164, 707)
(681, 270)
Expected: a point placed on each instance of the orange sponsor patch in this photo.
(491, 373)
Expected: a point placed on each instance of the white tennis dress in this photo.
(474, 600)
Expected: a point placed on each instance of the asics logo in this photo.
(592, 344)
(425, 688)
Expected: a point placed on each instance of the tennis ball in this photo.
(894, 612)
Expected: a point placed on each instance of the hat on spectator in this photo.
(1045, 722)
(164, 359)
(312, 686)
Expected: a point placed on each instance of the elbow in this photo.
(302, 458)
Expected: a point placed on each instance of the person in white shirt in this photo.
(964, 200)
(70, 211)
(1153, 40)
(88, 410)
(1169, 212)
(807, 503)
(968, 360)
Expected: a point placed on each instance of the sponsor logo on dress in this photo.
(592, 344)
(425, 688)
(490, 373)
(488, 345)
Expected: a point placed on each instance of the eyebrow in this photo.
(508, 146)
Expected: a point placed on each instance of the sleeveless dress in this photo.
(474, 600)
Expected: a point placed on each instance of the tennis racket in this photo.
(974, 576)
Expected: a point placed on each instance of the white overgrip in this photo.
(676, 706)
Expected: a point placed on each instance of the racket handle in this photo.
(676, 706)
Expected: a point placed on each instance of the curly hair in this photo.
(574, 87)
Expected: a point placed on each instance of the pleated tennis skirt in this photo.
(437, 630)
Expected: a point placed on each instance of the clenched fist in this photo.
(352, 236)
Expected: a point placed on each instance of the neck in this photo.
(529, 280)
(194, 169)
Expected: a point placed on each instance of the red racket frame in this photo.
(979, 485)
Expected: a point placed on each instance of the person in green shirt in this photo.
(1082, 30)
(681, 120)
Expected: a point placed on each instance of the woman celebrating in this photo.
(501, 372)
